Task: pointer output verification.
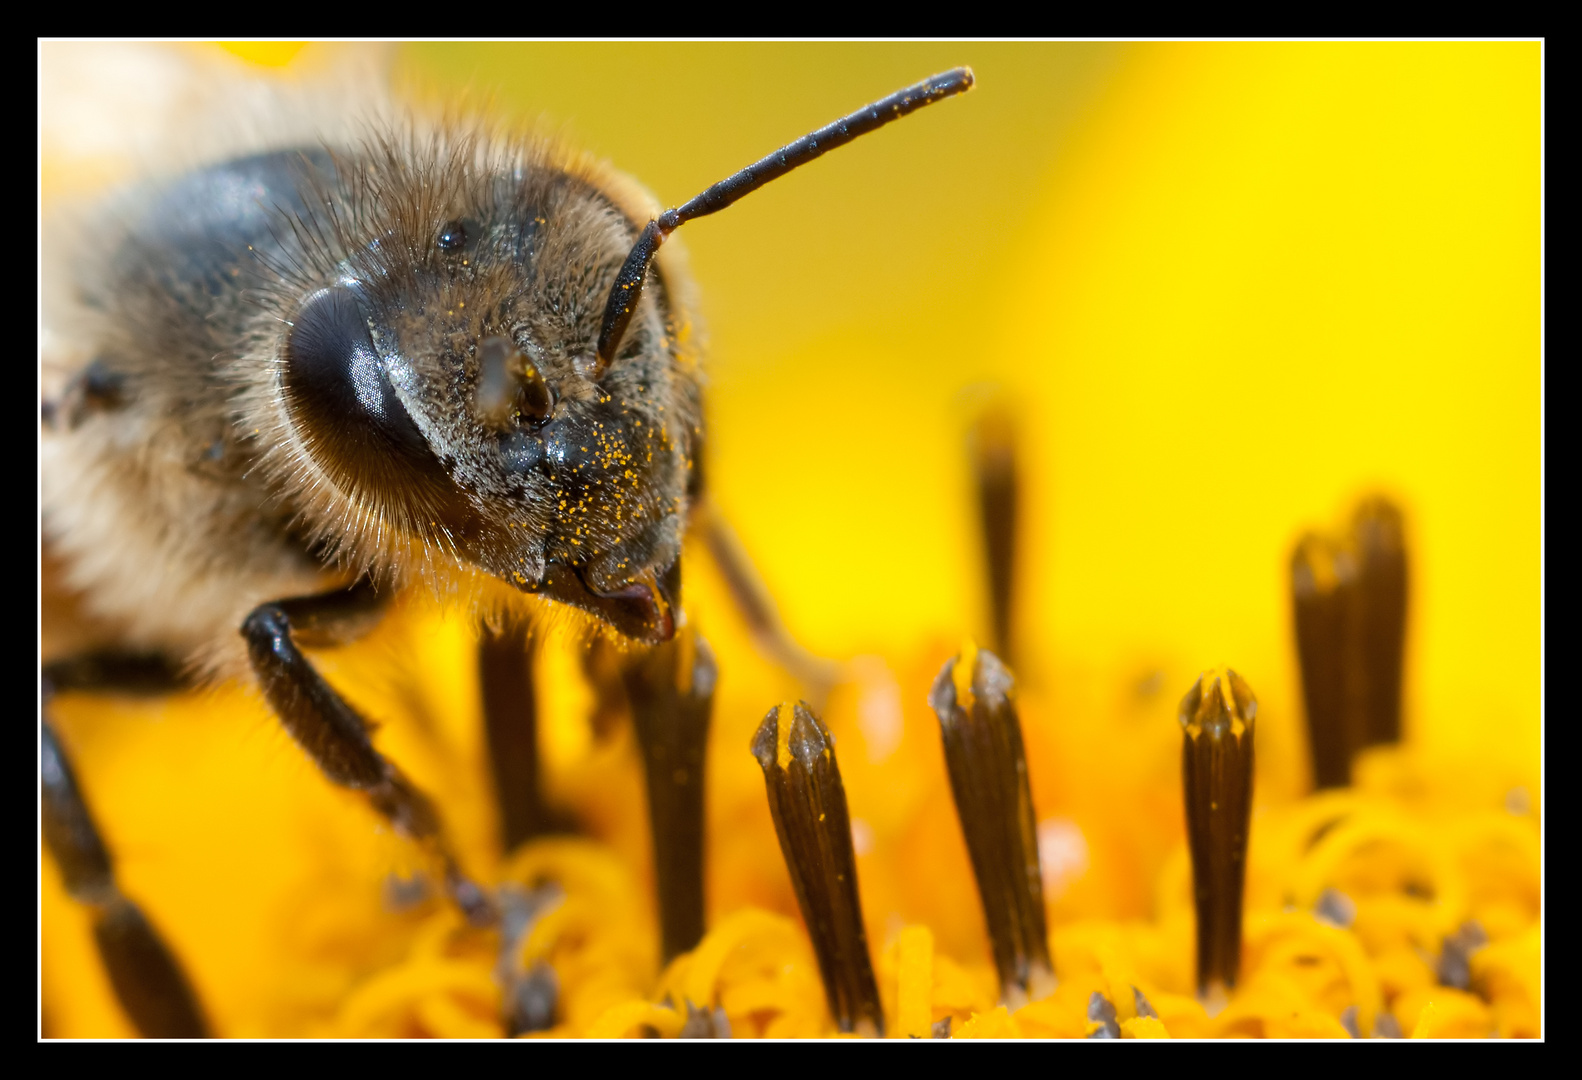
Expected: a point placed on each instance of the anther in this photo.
(671, 690)
(994, 467)
(1323, 599)
(1378, 537)
(973, 697)
(1217, 717)
(808, 804)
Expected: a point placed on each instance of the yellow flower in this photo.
(1228, 288)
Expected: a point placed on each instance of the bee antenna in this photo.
(628, 287)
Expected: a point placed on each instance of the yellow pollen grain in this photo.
(1217, 682)
(783, 716)
(961, 673)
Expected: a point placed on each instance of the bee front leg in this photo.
(332, 732)
(144, 973)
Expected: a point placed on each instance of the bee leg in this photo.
(817, 674)
(332, 732)
(147, 979)
(510, 713)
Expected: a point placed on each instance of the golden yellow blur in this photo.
(1226, 288)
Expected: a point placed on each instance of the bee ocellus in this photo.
(306, 378)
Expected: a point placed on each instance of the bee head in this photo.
(448, 381)
(495, 365)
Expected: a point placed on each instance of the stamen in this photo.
(1324, 597)
(510, 711)
(1381, 617)
(808, 804)
(988, 776)
(671, 690)
(1217, 716)
(994, 464)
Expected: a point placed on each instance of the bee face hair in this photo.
(439, 299)
(407, 324)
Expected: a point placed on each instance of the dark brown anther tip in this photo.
(808, 803)
(1324, 598)
(974, 698)
(1379, 537)
(1218, 716)
(671, 691)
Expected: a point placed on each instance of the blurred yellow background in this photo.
(1229, 287)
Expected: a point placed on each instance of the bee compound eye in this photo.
(452, 236)
(338, 390)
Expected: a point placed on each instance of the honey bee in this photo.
(382, 354)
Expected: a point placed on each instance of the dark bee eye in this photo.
(339, 392)
(452, 236)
